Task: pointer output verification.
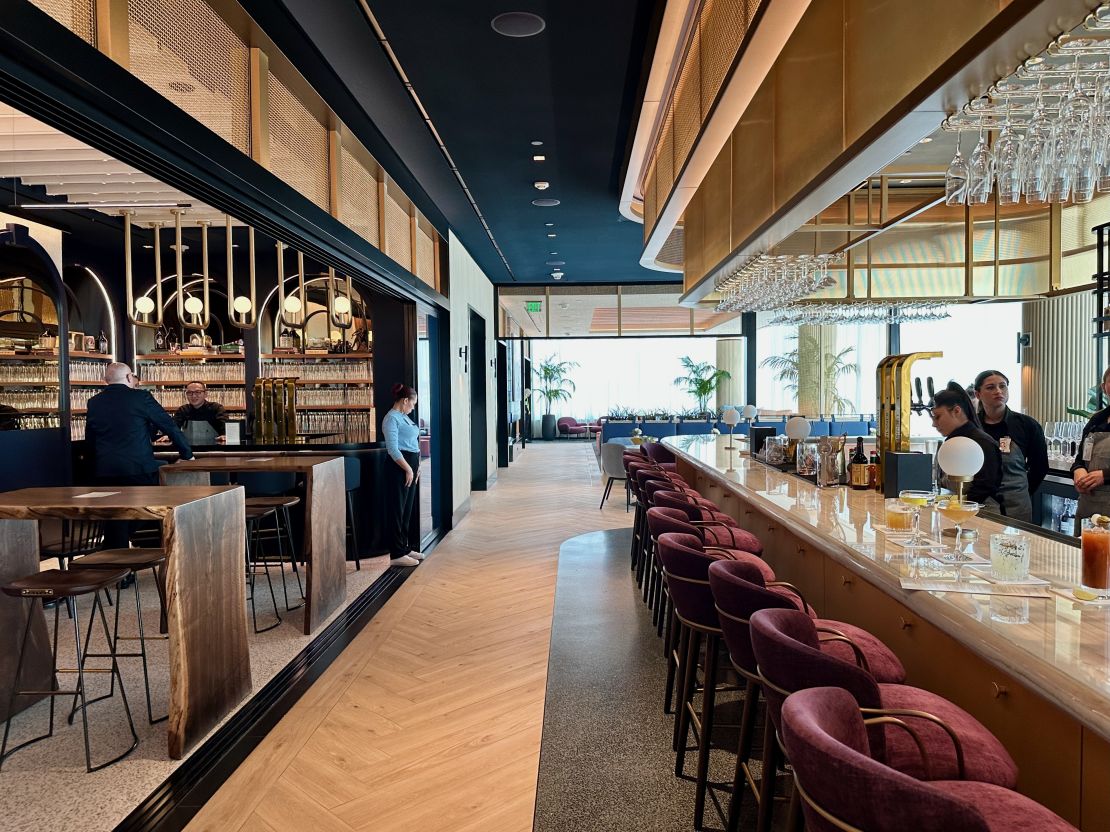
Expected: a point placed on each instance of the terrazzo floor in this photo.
(45, 786)
(606, 761)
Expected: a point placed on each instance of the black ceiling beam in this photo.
(93, 99)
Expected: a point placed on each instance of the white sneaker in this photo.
(416, 555)
(405, 560)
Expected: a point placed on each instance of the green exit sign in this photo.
(533, 306)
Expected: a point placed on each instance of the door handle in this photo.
(905, 624)
(845, 580)
(999, 690)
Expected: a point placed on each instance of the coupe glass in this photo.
(916, 500)
(959, 512)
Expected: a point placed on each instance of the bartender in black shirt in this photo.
(953, 416)
(1091, 469)
(199, 409)
(1020, 440)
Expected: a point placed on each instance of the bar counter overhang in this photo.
(1040, 680)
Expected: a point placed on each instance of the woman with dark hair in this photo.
(402, 443)
(1091, 469)
(953, 415)
(1020, 440)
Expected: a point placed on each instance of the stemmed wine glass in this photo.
(980, 178)
(955, 178)
(917, 500)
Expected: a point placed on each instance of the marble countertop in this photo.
(1057, 646)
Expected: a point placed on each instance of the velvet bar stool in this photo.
(828, 742)
(658, 453)
(956, 745)
(642, 476)
(67, 585)
(686, 571)
(739, 591)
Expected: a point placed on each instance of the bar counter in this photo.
(1035, 671)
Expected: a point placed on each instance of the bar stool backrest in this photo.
(739, 592)
(267, 483)
(789, 657)
(612, 460)
(668, 520)
(686, 570)
(352, 472)
(672, 499)
(658, 452)
(827, 744)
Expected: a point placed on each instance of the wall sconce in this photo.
(339, 305)
(189, 314)
(291, 308)
(242, 311)
(464, 354)
(1024, 340)
(140, 309)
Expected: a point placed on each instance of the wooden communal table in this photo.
(1035, 671)
(325, 526)
(206, 607)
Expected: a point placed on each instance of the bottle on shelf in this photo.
(873, 471)
(161, 342)
(102, 343)
(858, 467)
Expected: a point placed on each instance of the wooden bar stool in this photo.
(67, 585)
(135, 561)
(255, 515)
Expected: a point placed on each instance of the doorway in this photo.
(478, 449)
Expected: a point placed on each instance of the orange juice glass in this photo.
(899, 517)
(1096, 558)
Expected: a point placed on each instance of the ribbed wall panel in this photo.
(1059, 366)
(358, 197)
(398, 242)
(425, 256)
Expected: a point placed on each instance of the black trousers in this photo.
(399, 502)
(118, 532)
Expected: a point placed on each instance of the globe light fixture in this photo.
(292, 304)
(960, 458)
(242, 305)
(731, 417)
(342, 305)
(144, 305)
(193, 305)
(798, 428)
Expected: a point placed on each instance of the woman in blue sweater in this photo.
(402, 442)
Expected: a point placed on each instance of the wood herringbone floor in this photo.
(431, 719)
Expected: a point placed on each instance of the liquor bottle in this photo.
(873, 471)
(858, 467)
(285, 339)
(102, 344)
(160, 341)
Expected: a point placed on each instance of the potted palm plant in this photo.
(554, 386)
(701, 381)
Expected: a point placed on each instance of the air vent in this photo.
(518, 24)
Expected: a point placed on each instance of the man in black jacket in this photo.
(122, 423)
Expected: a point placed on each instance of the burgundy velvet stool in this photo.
(828, 741)
(658, 453)
(739, 591)
(686, 572)
(639, 476)
(956, 745)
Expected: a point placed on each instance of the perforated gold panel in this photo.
(358, 197)
(398, 243)
(186, 52)
(298, 144)
(78, 16)
(687, 104)
(672, 251)
(425, 256)
(723, 24)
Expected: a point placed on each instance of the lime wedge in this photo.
(1084, 595)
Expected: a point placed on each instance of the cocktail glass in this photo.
(898, 516)
(1096, 556)
(959, 512)
(917, 500)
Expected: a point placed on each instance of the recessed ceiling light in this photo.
(541, 186)
(148, 246)
(557, 274)
(552, 253)
(926, 140)
(556, 262)
(549, 224)
(552, 235)
(538, 157)
(537, 144)
(546, 202)
(518, 24)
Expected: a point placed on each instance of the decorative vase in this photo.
(548, 428)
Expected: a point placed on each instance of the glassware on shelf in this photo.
(980, 173)
(917, 500)
(1095, 573)
(1008, 161)
(955, 179)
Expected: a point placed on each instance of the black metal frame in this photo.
(1102, 295)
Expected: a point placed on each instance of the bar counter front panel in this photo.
(1035, 671)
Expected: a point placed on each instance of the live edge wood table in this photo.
(206, 612)
(1035, 671)
(325, 526)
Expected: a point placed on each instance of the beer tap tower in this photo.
(896, 403)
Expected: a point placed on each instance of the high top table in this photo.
(325, 525)
(1035, 671)
(203, 531)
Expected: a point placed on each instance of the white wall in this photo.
(469, 289)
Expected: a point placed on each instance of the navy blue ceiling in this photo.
(576, 87)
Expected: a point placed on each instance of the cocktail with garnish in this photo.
(959, 512)
(1096, 555)
(917, 500)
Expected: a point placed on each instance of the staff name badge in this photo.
(1088, 446)
(1004, 444)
